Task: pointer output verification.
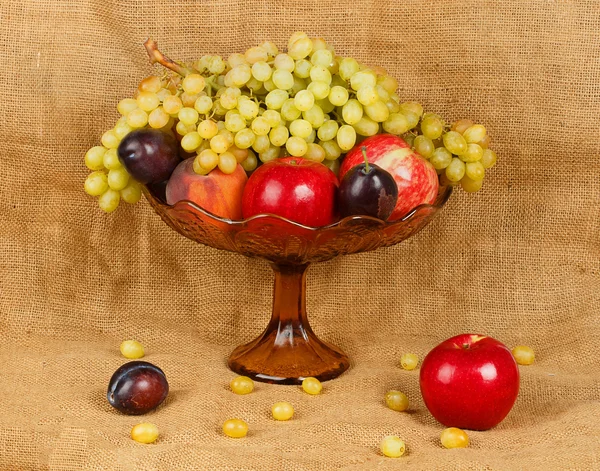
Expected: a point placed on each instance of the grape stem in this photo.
(364, 153)
(156, 56)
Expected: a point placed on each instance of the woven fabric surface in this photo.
(519, 261)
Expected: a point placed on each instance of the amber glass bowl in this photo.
(288, 350)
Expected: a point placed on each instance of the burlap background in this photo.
(518, 261)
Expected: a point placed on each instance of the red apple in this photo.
(218, 193)
(416, 178)
(469, 381)
(294, 188)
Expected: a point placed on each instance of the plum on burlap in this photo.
(518, 261)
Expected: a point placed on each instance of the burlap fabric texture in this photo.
(518, 261)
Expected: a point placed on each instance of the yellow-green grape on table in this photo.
(396, 400)
(312, 386)
(132, 349)
(144, 433)
(94, 158)
(523, 355)
(488, 159)
(454, 438)
(96, 183)
(392, 446)
(235, 428)
(242, 385)
(132, 193)
(455, 142)
(282, 411)
(409, 361)
(109, 200)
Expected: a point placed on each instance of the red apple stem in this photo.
(156, 56)
(364, 153)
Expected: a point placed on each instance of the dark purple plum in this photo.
(367, 190)
(149, 155)
(137, 387)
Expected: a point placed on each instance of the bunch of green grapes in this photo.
(264, 104)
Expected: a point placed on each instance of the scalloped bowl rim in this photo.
(444, 192)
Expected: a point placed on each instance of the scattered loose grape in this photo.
(396, 400)
(282, 411)
(392, 447)
(523, 355)
(454, 438)
(242, 385)
(132, 349)
(144, 433)
(312, 385)
(235, 428)
(409, 361)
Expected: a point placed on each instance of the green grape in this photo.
(475, 133)
(256, 86)
(227, 134)
(367, 95)
(234, 122)
(352, 111)
(470, 185)
(126, 106)
(300, 48)
(409, 138)
(440, 158)
(121, 129)
(250, 163)
(132, 192)
(396, 123)
(172, 105)
(283, 79)
(207, 159)
(474, 170)
(384, 95)
(394, 107)
(207, 129)
(261, 143)
(110, 140)
(338, 95)
(311, 137)
(454, 142)
(299, 85)
(320, 90)
(183, 129)
(300, 128)
(157, 119)
(248, 109)
(244, 138)
(325, 105)
(296, 146)
(110, 160)
(389, 83)
(147, 101)
(289, 112)
(348, 67)
(432, 126)
(314, 152)
(346, 137)
(191, 141)
(239, 75)
(240, 154)
(275, 99)
(304, 100)
(328, 130)
(256, 54)
(488, 159)
(366, 127)
(273, 117)
(94, 158)
(193, 83)
(302, 68)
(279, 135)
(461, 125)
(227, 162)
(456, 170)
(216, 65)
(96, 183)
(377, 111)
(332, 149)
(118, 178)
(473, 153)
(315, 116)
(322, 57)
(319, 73)
(109, 200)
(188, 116)
(219, 143)
(284, 62)
(228, 101)
(361, 79)
(424, 146)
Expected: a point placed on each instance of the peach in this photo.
(218, 193)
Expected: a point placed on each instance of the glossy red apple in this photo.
(416, 178)
(294, 188)
(469, 381)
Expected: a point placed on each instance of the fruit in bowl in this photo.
(267, 104)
